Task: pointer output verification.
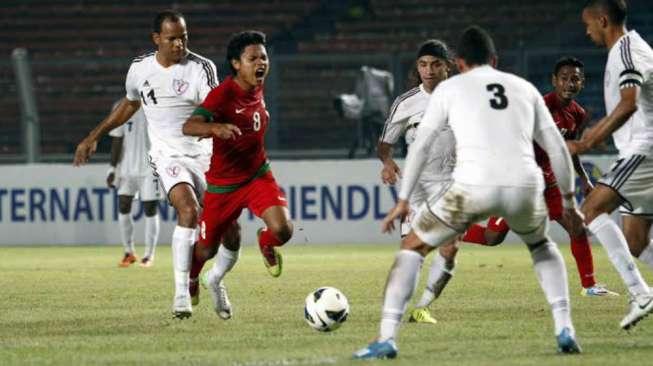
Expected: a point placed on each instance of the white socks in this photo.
(439, 276)
(646, 255)
(224, 262)
(183, 239)
(399, 288)
(615, 244)
(152, 226)
(552, 275)
(126, 224)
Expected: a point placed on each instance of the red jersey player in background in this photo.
(239, 176)
(570, 117)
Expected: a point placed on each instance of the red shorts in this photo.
(222, 209)
(553, 199)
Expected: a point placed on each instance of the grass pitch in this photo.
(74, 306)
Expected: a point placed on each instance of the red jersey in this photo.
(238, 160)
(569, 120)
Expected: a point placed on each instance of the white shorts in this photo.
(632, 179)
(423, 191)
(183, 169)
(443, 218)
(146, 187)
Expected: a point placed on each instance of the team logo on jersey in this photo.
(146, 84)
(173, 171)
(180, 86)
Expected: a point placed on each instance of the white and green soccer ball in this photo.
(326, 309)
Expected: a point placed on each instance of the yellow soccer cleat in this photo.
(271, 257)
(421, 315)
(597, 290)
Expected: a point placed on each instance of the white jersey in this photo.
(405, 115)
(630, 63)
(135, 146)
(168, 97)
(494, 117)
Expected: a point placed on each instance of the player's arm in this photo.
(548, 136)
(200, 124)
(626, 107)
(116, 151)
(121, 114)
(390, 170)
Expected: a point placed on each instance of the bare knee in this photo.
(188, 215)
(448, 252)
(125, 204)
(413, 242)
(150, 208)
(282, 230)
(205, 252)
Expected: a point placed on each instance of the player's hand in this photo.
(225, 131)
(575, 219)
(390, 172)
(84, 150)
(111, 180)
(586, 186)
(400, 211)
(577, 147)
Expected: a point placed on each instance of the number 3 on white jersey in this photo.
(257, 121)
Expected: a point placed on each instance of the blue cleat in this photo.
(376, 349)
(566, 342)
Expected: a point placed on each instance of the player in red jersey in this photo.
(239, 176)
(569, 116)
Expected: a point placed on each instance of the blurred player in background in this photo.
(432, 64)
(567, 80)
(495, 117)
(169, 84)
(131, 175)
(628, 93)
(234, 115)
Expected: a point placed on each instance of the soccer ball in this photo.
(326, 309)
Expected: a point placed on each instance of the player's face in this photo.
(432, 70)
(172, 40)
(253, 66)
(594, 25)
(568, 82)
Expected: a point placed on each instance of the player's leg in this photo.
(529, 220)
(126, 225)
(150, 195)
(266, 200)
(636, 230)
(596, 208)
(182, 197)
(494, 234)
(440, 272)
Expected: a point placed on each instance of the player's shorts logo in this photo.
(180, 86)
(173, 171)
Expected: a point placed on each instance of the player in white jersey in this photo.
(130, 174)
(169, 84)
(495, 117)
(432, 67)
(628, 91)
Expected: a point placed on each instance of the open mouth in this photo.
(259, 73)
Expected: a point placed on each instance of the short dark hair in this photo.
(173, 16)
(614, 9)
(568, 61)
(476, 46)
(435, 48)
(239, 41)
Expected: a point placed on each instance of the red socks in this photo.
(582, 252)
(267, 238)
(475, 234)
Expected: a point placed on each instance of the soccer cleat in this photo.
(128, 260)
(194, 290)
(146, 262)
(597, 291)
(566, 342)
(640, 307)
(421, 315)
(221, 303)
(376, 349)
(181, 307)
(271, 257)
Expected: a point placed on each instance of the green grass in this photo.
(73, 306)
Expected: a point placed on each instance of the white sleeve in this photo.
(208, 79)
(434, 119)
(117, 132)
(395, 125)
(546, 135)
(131, 84)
